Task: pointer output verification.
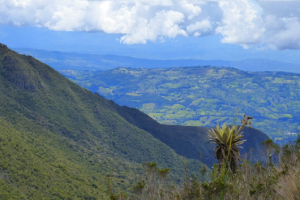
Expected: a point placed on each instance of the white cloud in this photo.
(245, 22)
(189, 9)
(282, 21)
(241, 22)
(202, 26)
(165, 23)
(288, 37)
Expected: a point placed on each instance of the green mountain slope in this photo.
(201, 96)
(58, 140)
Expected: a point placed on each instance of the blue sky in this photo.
(157, 29)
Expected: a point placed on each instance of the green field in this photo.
(202, 96)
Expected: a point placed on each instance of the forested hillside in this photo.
(61, 141)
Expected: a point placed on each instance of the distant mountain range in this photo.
(77, 61)
(59, 140)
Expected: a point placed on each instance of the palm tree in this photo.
(228, 141)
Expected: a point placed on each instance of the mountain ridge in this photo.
(79, 61)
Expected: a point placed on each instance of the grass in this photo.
(272, 174)
(261, 180)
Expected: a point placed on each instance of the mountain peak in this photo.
(17, 70)
(3, 45)
(3, 48)
(26, 72)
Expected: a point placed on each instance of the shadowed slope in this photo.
(189, 141)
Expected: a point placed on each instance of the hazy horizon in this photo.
(206, 30)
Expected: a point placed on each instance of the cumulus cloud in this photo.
(241, 22)
(245, 22)
(199, 26)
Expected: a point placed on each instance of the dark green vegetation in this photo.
(201, 96)
(59, 141)
(276, 176)
(189, 141)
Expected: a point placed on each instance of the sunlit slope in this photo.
(58, 140)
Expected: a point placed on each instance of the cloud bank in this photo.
(268, 24)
